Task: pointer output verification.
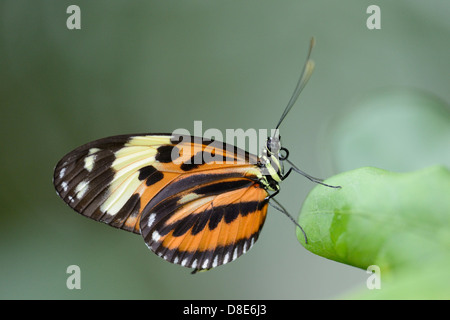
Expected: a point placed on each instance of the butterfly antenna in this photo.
(305, 75)
(313, 179)
(283, 210)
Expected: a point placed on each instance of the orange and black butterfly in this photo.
(189, 209)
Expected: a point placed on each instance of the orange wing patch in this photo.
(210, 230)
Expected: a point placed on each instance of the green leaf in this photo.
(397, 221)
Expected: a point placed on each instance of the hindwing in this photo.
(205, 225)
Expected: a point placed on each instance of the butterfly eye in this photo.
(269, 144)
(283, 154)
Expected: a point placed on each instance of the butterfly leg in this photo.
(272, 195)
(280, 208)
(311, 178)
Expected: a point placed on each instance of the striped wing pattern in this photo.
(205, 225)
(190, 208)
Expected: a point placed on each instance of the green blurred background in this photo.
(377, 97)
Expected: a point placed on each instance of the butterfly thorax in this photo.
(270, 164)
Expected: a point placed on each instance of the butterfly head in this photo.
(274, 150)
(273, 144)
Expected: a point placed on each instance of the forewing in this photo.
(113, 179)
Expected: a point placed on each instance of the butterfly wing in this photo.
(205, 225)
(101, 179)
(118, 180)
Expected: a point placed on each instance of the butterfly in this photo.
(196, 202)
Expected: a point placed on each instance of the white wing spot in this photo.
(235, 254)
(62, 172)
(81, 189)
(226, 258)
(155, 236)
(216, 261)
(90, 159)
(89, 162)
(205, 264)
(151, 219)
